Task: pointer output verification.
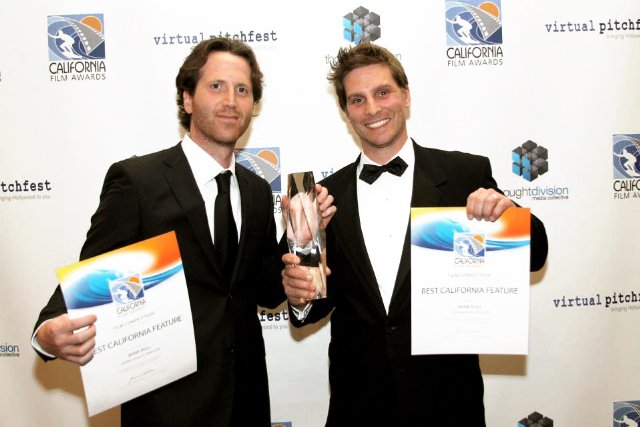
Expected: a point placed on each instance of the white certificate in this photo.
(144, 331)
(469, 282)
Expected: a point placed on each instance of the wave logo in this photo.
(469, 245)
(264, 162)
(361, 24)
(448, 230)
(530, 160)
(282, 424)
(626, 156)
(76, 37)
(127, 289)
(473, 22)
(626, 414)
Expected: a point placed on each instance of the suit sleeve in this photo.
(114, 224)
(271, 292)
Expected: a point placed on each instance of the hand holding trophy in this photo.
(305, 232)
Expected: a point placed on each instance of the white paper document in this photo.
(469, 282)
(144, 331)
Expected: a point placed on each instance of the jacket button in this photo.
(391, 329)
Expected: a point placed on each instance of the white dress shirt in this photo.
(384, 209)
(205, 169)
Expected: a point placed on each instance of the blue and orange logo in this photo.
(76, 37)
(626, 413)
(473, 22)
(264, 162)
(626, 156)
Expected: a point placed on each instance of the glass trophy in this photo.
(305, 232)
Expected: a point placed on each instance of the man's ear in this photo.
(188, 102)
(407, 97)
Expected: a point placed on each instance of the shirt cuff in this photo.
(36, 345)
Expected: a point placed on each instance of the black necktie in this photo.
(370, 173)
(224, 226)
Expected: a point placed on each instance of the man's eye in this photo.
(356, 100)
(243, 90)
(216, 86)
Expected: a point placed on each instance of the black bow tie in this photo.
(370, 173)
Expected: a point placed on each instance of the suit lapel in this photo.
(183, 185)
(427, 176)
(347, 226)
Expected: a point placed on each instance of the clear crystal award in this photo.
(305, 232)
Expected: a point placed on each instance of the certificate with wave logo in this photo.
(469, 282)
(144, 329)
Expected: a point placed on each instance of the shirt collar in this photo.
(204, 167)
(406, 152)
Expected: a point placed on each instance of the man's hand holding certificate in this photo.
(469, 282)
(144, 332)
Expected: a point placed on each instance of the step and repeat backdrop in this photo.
(549, 91)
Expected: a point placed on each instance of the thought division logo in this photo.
(361, 25)
(76, 37)
(626, 156)
(127, 289)
(530, 160)
(264, 162)
(626, 414)
(535, 419)
(473, 22)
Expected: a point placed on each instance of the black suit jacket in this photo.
(374, 379)
(146, 196)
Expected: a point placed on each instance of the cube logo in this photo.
(530, 160)
(75, 37)
(473, 22)
(361, 24)
(535, 419)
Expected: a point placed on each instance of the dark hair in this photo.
(363, 54)
(189, 73)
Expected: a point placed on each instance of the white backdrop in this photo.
(573, 92)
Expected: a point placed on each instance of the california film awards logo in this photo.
(128, 293)
(127, 289)
(76, 47)
(626, 166)
(474, 33)
(535, 419)
(530, 160)
(361, 24)
(264, 162)
(282, 424)
(469, 245)
(626, 414)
